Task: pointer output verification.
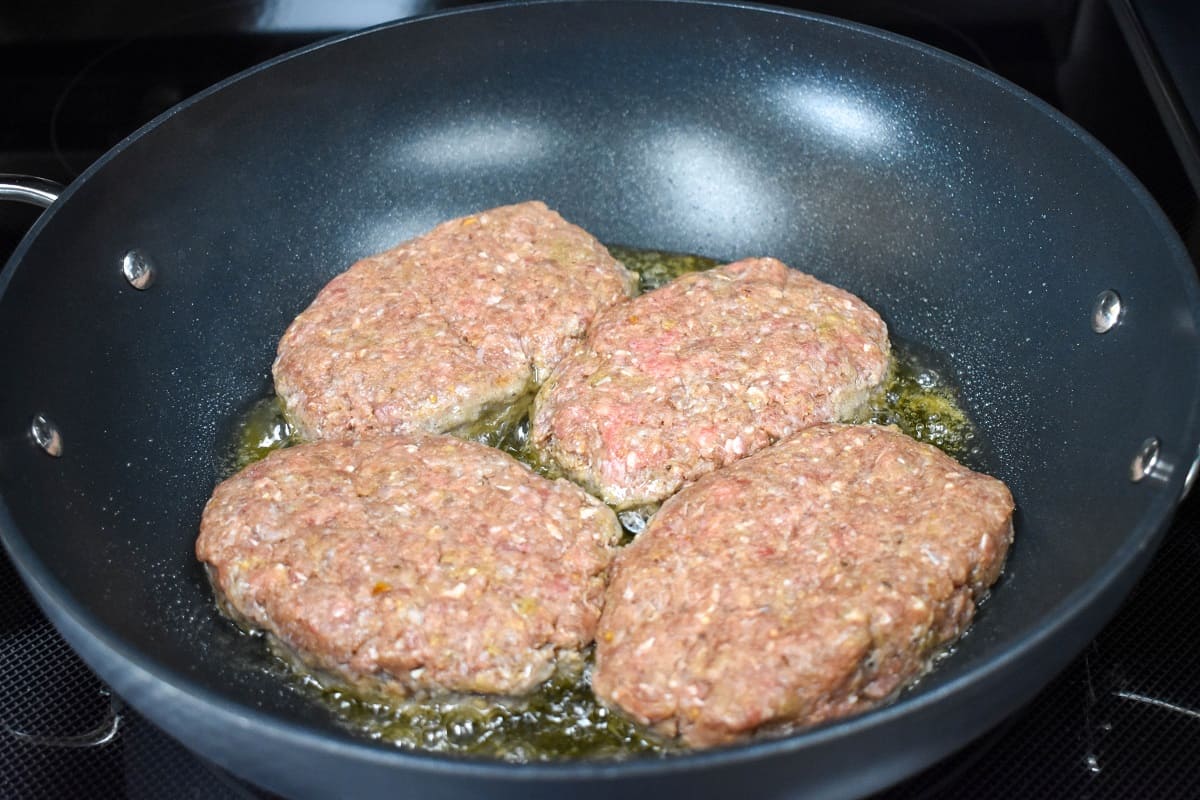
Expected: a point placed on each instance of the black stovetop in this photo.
(1122, 721)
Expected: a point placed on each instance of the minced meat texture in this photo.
(704, 371)
(439, 330)
(807, 582)
(411, 564)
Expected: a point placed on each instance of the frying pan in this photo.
(978, 221)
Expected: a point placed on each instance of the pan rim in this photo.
(62, 606)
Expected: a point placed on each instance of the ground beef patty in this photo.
(433, 333)
(411, 563)
(804, 583)
(703, 371)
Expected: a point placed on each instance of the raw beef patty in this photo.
(411, 563)
(807, 582)
(701, 372)
(434, 333)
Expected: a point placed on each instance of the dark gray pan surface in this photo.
(975, 219)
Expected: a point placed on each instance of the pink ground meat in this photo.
(435, 332)
(807, 582)
(412, 563)
(702, 372)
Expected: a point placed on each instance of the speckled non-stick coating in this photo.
(974, 218)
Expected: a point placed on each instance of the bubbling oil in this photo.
(563, 719)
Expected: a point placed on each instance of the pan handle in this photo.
(29, 189)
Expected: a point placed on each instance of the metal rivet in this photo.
(1106, 312)
(46, 435)
(1146, 459)
(137, 269)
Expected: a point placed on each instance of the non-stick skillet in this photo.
(979, 222)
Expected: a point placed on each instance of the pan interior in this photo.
(973, 220)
